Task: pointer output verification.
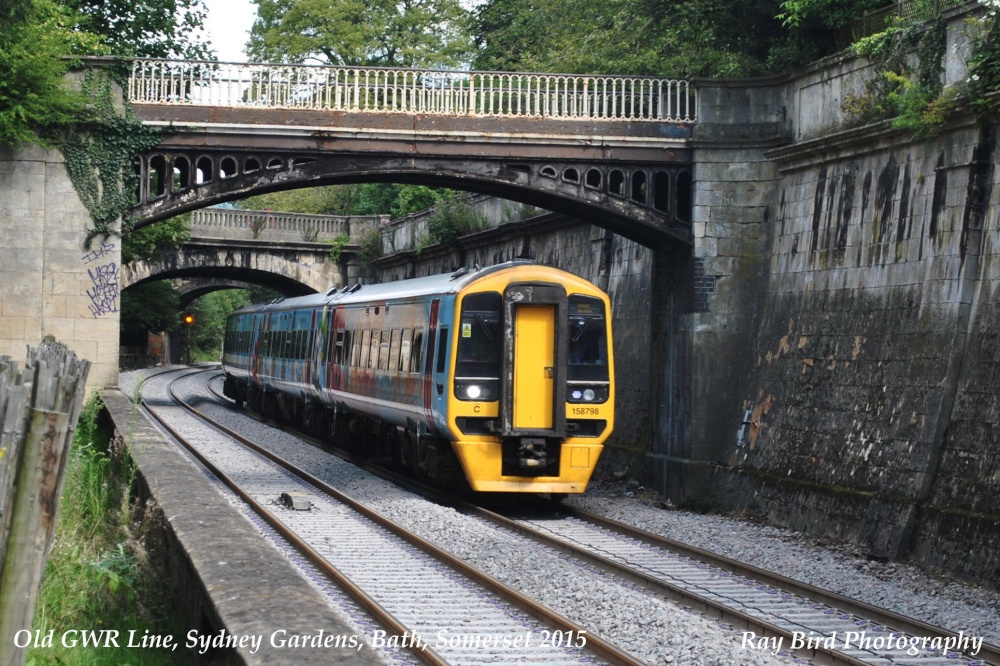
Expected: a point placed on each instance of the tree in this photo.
(676, 38)
(147, 307)
(150, 242)
(323, 200)
(34, 104)
(146, 28)
(389, 33)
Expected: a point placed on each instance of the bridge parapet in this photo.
(412, 91)
(265, 225)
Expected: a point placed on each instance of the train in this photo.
(496, 379)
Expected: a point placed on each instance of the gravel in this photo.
(655, 630)
(896, 586)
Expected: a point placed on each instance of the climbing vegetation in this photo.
(101, 155)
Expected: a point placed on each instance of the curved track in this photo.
(443, 610)
(790, 616)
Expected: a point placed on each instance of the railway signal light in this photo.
(189, 319)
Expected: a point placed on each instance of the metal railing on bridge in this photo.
(410, 91)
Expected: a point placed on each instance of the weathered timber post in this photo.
(39, 408)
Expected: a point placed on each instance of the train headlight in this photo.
(593, 393)
(475, 389)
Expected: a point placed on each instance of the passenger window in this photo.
(394, 351)
(365, 338)
(373, 353)
(339, 345)
(404, 350)
(416, 350)
(383, 352)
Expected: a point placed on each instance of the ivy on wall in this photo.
(984, 65)
(914, 97)
(101, 155)
(915, 100)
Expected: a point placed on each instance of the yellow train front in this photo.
(502, 376)
(531, 396)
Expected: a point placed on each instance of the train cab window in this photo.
(587, 373)
(394, 350)
(416, 350)
(480, 348)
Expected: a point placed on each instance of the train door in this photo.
(534, 366)
(534, 394)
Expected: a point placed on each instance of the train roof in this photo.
(446, 283)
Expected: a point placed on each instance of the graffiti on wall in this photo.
(104, 277)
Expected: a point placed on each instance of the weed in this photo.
(93, 577)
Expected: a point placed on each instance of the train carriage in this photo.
(502, 376)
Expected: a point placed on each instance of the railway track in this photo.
(769, 612)
(440, 609)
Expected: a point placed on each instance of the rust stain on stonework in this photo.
(858, 341)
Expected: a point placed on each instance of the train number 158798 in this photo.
(585, 411)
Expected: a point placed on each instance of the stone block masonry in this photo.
(875, 386)
(50, 285)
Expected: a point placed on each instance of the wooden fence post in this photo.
(39, 408)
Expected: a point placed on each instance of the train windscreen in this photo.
(480, 348)
(588, 340)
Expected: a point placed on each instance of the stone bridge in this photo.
(235, 248)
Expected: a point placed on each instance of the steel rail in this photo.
(426, 655)
(988, 653)
(595, 644)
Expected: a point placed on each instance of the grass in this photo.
(94, 579)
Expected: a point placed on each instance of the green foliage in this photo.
(337, 247)
(915, 102)
(454, 218)
(146, 28)
(643, 37)
(152, 306)
(149, 243)
(390, 33)
(830, 14)
(413, 199)
(983, 82)
(93, 579)
(35, 106)
(99, 157)
(210, 312)
(325, 200)
(370, 246)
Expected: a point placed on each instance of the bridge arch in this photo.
(648, 203)
(290, 269)
(613, 151)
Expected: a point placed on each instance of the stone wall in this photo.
(621, 267)
(51, 284)
(847, 353)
